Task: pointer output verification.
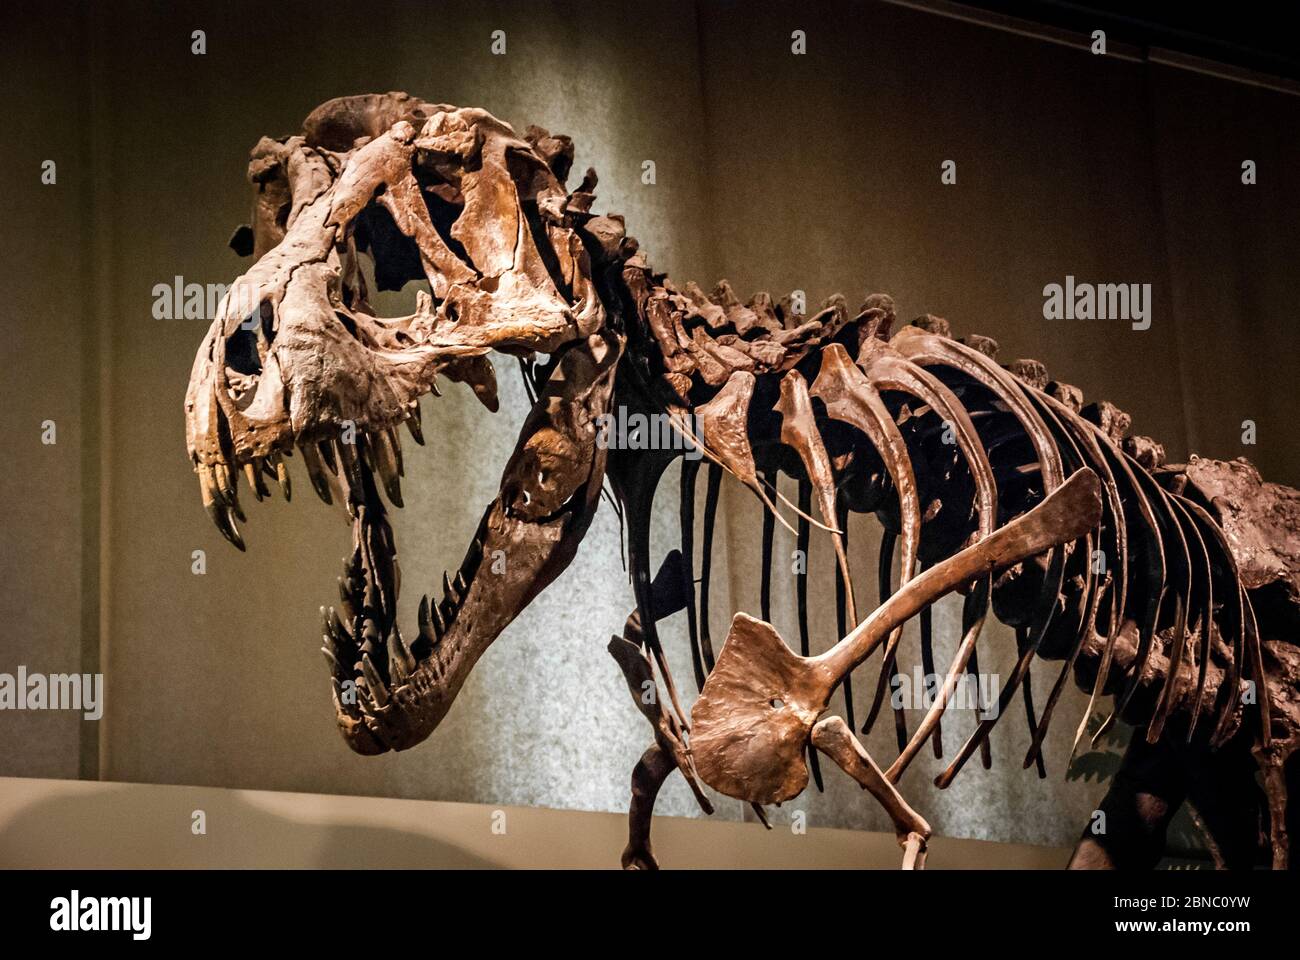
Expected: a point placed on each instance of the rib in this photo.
(801, 601)
(927, 664)
(850, 397)
(1181, 588)
(884, 567)
(842, 610)
(799, 431)
(1203, 589)
(765, 577)
(706, 560)
(1027, 689)
(690, 470)
(1090, 596)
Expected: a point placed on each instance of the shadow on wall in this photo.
(240, 834)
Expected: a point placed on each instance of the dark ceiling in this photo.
(1260, 36)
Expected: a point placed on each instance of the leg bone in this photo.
(833, 737)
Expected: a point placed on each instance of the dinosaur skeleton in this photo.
(1173, 589)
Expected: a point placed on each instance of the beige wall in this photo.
(818, 172)
(48, 372)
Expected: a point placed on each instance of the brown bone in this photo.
(751, 724)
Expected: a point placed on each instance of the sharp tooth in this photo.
(484, 385)
(348, 577)
(449, 590)
(316, 471)
(429, 628)
(389, 467)
(207, 484)
(393, 488)
(400, 662)
(395, 445)
(370, 639)
(221, 516)
(351, 463)
(252, 473)
(217, 510)
(229, 494)
(221, 474)
(336, 625)
(460, 584)
(413, 423)
(281, 475)
(332, 660)
(345, 598)
(373, 681)
(326, 448)
(207, 489)
(433, 388)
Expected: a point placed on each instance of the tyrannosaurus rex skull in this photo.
(295, 358)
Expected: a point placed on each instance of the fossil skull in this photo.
(297, 359)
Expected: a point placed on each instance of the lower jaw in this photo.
(416, 708)
(396, 707)
(404, 690)
(491, 598)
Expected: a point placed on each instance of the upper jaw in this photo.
(295, 351)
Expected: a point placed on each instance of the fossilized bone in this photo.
(993, 481)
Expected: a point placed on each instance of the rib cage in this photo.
(944, 445)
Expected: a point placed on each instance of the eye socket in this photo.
(776, 703)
